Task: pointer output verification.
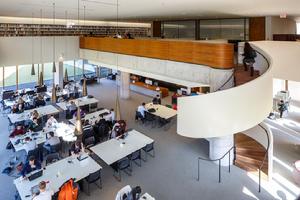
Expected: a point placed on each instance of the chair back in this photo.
(35, 152)
(149, 147)
(123, 163)
(93, 177)
(89, 142)
(55, 148)
(51, 158)
(136, 155)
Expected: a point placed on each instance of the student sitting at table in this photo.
(72, 107)
(19, 130)
(142, 109)
(15, 108)
(51, 121)
(31, 165)
(51, 141)
(82, 113)
(156, 100)
(39, 101)
(44, 194)
(77, 148)
(29, 144)
(34, 114)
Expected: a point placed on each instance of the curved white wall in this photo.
(240, 108)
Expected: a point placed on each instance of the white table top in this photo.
(146, 196)
(44, 110)
(113, 150)
(80, 101)
(161, 111)
(63, 92)
(60, 130)
(57, 174)
(92, 117)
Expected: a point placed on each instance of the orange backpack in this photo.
(68, 191)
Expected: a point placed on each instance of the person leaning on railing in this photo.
(249, 56)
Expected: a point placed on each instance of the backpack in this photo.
(68, 191)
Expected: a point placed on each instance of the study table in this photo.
(83, 101)
(92, 117)
(63, 92)
(116, 149)
(161, 111)
(57, 174)
(44, 110)
(65, 131)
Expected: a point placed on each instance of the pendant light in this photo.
(118, 109)
(32, 53)
(53, 67)
(41, 78)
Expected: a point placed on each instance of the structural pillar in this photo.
(125, 85)
(218, 146)
(59, 74)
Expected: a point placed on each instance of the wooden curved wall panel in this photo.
(215, 55)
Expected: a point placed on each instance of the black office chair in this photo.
(122, 165)
(36, 153)
(149, 117)
(93, 178)
(147, 149)
(89, 142)
(137, 155)
(93, 106)
(52, 158)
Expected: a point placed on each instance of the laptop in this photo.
(82, 157)
(35, 175)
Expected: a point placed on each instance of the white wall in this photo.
(165, 69)
(18, 50)
(240, 108)
(277, 25)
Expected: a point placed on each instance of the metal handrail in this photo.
(263, 161)
(227, 81)
(219, 159)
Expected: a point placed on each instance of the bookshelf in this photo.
(14, 30)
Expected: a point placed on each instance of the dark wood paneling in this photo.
(257, 28)
(215, 55)
(156, 29)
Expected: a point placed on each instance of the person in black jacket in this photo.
(30, 166)
(249, 55)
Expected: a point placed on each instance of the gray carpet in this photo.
(171, 175)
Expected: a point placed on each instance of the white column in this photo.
(218, 146)
(125, 85)
(59, 74)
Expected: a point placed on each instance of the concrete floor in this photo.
(172, 174)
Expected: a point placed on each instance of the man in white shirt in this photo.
(125, 191)
(51, 141)
(30, 144)
(141, 109)
(44, 194)
(51, 121)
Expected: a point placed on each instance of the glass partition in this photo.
(48, 75)
(78, 69)
(69, 66)
(10, 78)
(179, 29)
(25, 79)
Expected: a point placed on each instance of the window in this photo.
(179, 29)
(25, 79)
(90, 69)
(69, 66)
(298, 28)
(48, 74)
(78, 69)
(1, 77)
(10, 78)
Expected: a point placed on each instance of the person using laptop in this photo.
(44, 194)
(156, 100)
(142, 109)
(51, 141)
(30, 166)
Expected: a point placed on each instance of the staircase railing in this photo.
(263, 161)
(219, 160)
(227, 81)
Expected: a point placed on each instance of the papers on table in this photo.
(146, 196)
(161, 111)
(57, 174)
(116, 149)
(92, 117)
(80, 101)
(44, 110)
